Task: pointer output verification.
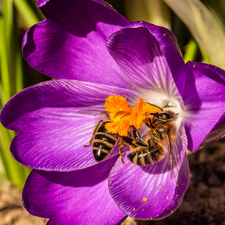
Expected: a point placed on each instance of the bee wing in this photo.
(93, 112)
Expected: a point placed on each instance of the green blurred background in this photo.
(198, 25)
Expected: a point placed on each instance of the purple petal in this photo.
(78, 197)
(71, 42)
(171, 52)
(181, 187)
(41, 3)
(204, 100)
(217, 131)
(53, 124)
(145, 192)
(139, 55)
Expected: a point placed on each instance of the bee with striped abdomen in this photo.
(102, 141)
(162, 131)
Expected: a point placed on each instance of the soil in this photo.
(12, 211)
(204, 201)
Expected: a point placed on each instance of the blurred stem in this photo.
(191, 50)
(12, 170)
(152, 11)
(5, 43)
(26, 12)
(205, 27)
(18, 69)
(11, 82)
(2, 95)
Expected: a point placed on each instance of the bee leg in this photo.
(149, 124)
(129, 135)
(138, 138)
(90, 142)
(121, 144)
(126, 140)
(94, 131)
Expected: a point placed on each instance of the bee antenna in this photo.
(161, 109)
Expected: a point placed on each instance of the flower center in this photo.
(123, 115)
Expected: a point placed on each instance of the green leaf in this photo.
(191, 50)
(204, 26)
(152, 11)
(10, 83)
(26, 11)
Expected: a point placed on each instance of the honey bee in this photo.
(162, 131)
(103, 141)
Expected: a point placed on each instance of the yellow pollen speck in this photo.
(167, 197)
(151, 218)
(193, 65)
(83, 128)
(134, 209)
(177, 195)
(65, 84)
(145, 199)
(141, 21)
(143, 210)
(181, 137)
(171, 211)
(132, 87)
(159, 86)
(160, 187)
(164, 34)
(177, 185)
(165, 190)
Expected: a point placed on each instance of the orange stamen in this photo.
(117, 106)
(124, 115)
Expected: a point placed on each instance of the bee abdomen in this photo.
(158, 155)
(141, 158)
(100, 153)
(106, 138)
(159, 152)
(103, 145)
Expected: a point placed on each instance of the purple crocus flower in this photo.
(94, 52)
